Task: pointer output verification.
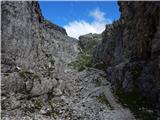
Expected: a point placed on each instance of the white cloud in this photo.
(81, 27)
(98, 15)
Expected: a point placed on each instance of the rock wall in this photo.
(130, 50)
(35, 55)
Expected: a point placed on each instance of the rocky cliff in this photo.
(35, 55)
(130, 51)
(38, 83)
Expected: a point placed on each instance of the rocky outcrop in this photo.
(35, 55)
(52, 26)
(89, 40)
(130, 50)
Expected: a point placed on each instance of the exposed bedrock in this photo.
(35, 54)
(130, 50)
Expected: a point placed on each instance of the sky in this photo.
(80, 17)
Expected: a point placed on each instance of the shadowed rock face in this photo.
(131, 50)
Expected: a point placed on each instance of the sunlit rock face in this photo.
(130, 50)
(25, 35)
(35, 54)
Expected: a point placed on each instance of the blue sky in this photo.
(80, 17)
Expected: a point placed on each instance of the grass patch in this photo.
(137, 104)
(83, 61)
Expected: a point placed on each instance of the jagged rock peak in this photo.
(33, 7)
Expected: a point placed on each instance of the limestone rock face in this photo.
(130, 50)
(35, 55)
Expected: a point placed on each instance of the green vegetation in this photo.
(102, 98)
(84, 59)
(136, 104)
(91, 45)
(55, 105)
(100, 66)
